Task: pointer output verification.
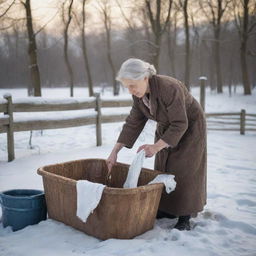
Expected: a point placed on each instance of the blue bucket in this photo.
(22, 207)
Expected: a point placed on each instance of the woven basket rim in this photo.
(107, 190)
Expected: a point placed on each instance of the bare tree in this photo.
(4, 9)
(67, 21)
(32, 51)
(184, 6)
(172, 40)
(214, 11)
(244, 16)
(131, 25)
(158, 23)
(105, 10)
(85, 54)
(150, 46)
(16, 21)
(196, 42)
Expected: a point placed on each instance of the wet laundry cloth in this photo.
(134, 171)
(167, 179)
(88, 197)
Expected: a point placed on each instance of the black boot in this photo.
(161, 215)
(183, 223)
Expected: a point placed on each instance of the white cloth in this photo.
(167, 179)
(134, 173)
(134, 170)
(88, 197)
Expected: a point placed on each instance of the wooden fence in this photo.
(235, 121)
(216, 121)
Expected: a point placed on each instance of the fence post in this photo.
(98, 119)
(202, 91)
(10, 135)
(242, 122)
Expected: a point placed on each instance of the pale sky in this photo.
(45, 10)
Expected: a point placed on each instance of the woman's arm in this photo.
(152, 149)
(132, 128)
(174, 99)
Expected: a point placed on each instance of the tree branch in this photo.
(151, 18)
(251, 27)
(204, 11)
(49, 21)
(168, 16)
(125, 17)
(10, 6)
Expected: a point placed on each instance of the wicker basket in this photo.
(121, 213)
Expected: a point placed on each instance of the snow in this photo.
(227, 226)
(48, 116)
(59, 100)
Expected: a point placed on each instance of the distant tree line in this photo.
(221, 47)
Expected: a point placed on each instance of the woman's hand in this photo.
(111, 161)
(150, 149)
(113, 156)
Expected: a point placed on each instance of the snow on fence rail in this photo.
(236, 121)
(39, 104)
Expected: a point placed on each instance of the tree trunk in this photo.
(158, 27)
(68, 65)
(203, 54)
(243, 49)
(217, 60)
(244, 68)
(187, 47)
(86, 59)
(107, 25)
(211, 69)
(17, 55)
(110, 61)
(147, 33)
(171, 41)
(67, 62)
(231, 71)
(32, 51)
(157, 51)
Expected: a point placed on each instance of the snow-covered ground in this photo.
(227, 226)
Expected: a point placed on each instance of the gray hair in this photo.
(135, 69)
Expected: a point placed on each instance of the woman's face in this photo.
(137, 88)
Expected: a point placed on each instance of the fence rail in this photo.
(236, 121)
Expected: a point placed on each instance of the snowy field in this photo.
(227, 226)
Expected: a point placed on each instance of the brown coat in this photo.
(181, 124)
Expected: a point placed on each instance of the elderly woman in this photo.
(180, 137)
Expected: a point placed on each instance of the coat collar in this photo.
(153, 97)
(153, 94)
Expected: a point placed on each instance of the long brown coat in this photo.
(181, 124)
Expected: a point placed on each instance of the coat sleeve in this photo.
(174, 99)
(133, 126)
